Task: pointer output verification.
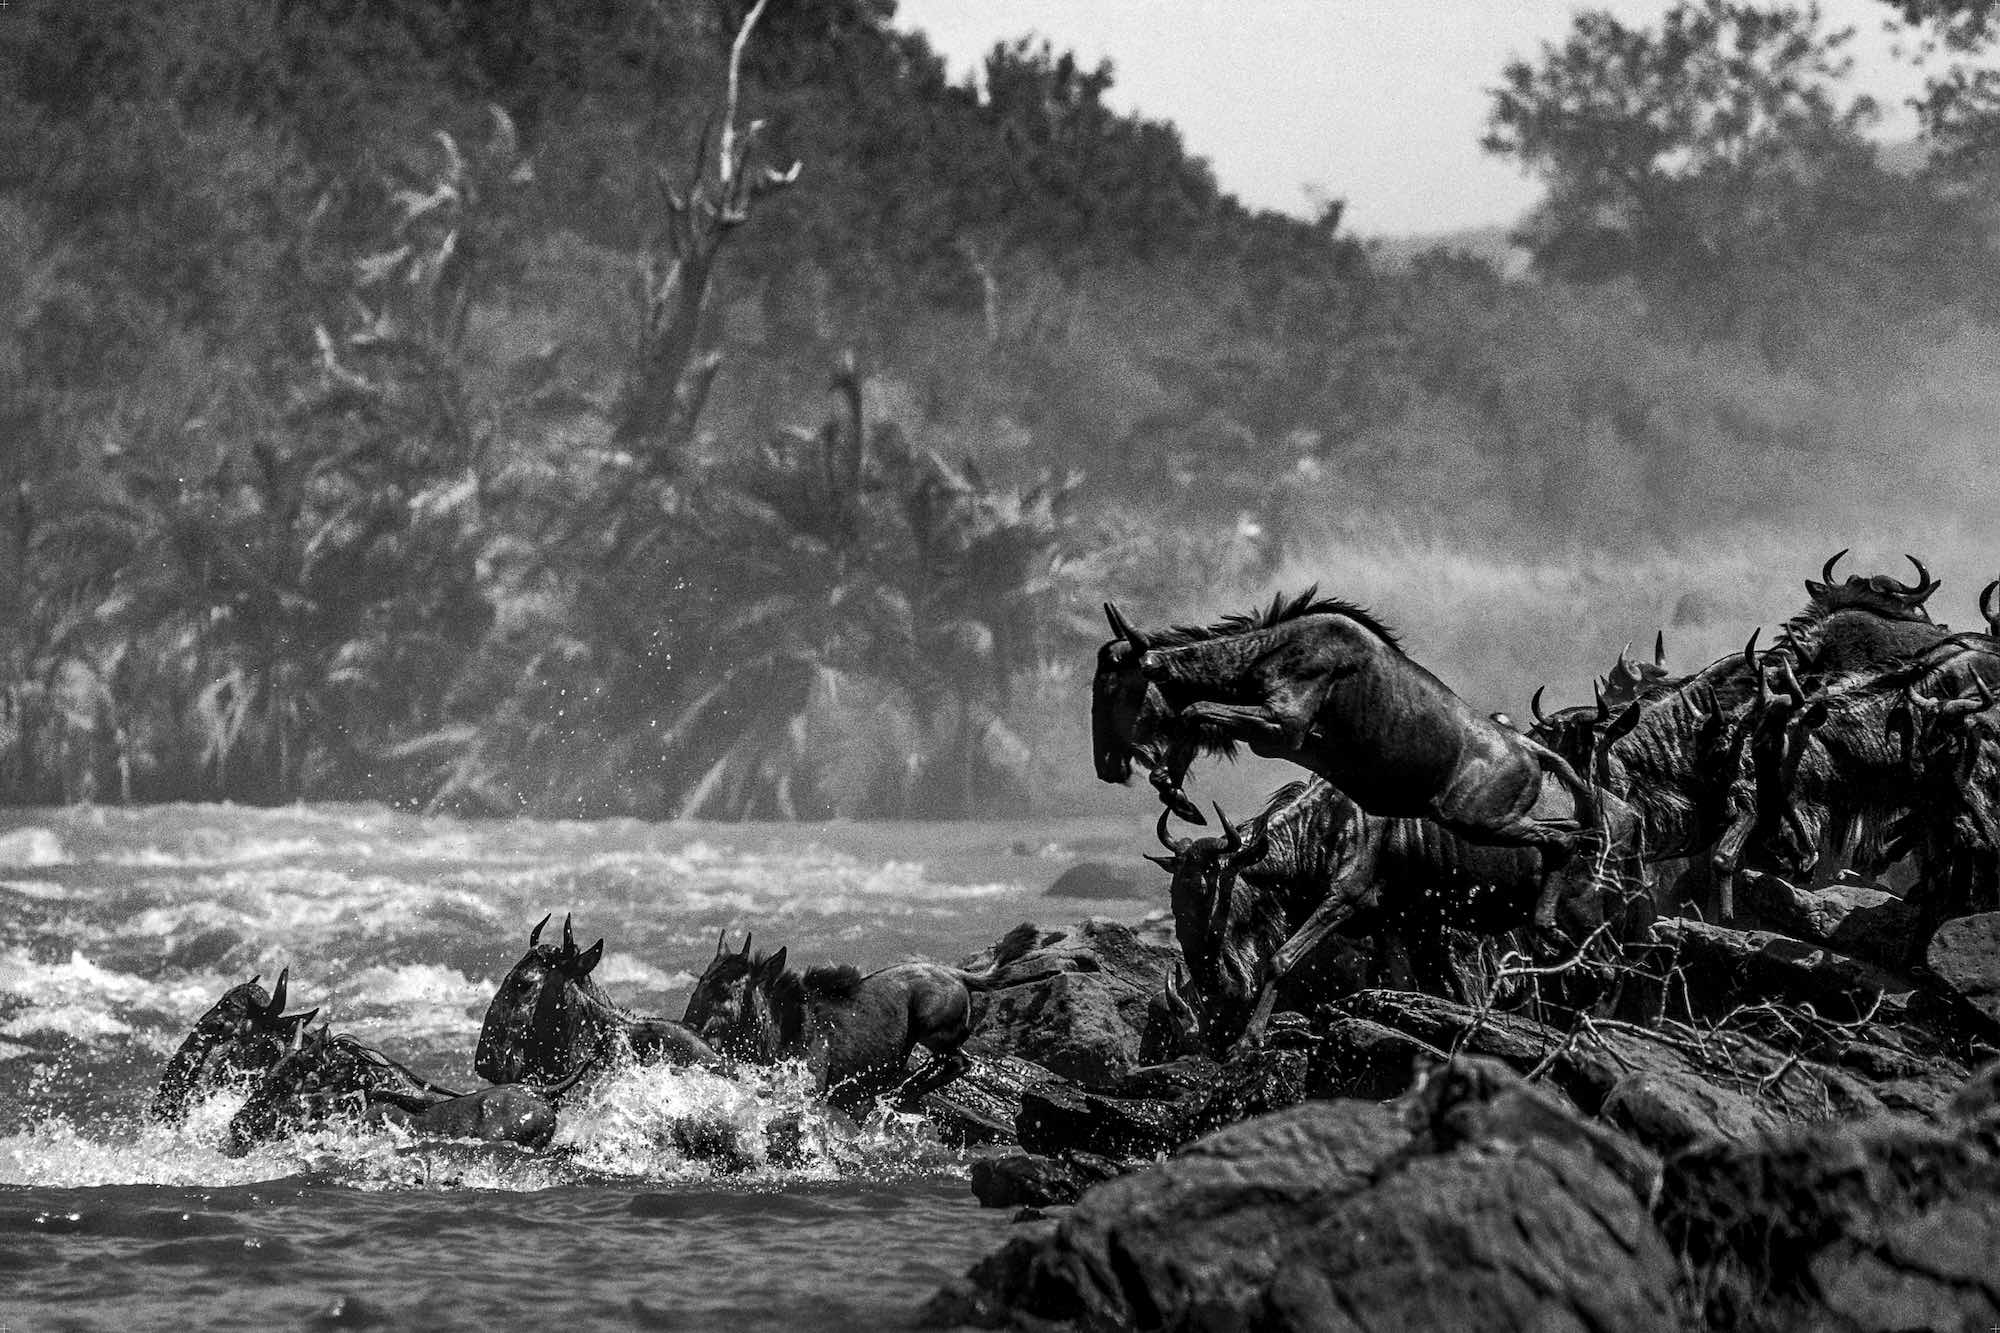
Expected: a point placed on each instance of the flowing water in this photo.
(119, 927)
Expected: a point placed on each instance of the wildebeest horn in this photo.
(1624, 653)
(1603, 709)
(1790, 680)
(721, 941)
(1923, 587)
(569, 940)
(535, 935)
(1229, 832)
(1178, 846)
(1122, 628)
(1750, 649)
(1826, 570)
(277, 1004)
(1535, 704)
(1986, 607)
(1960, 707)
(1659, 648)
(748, 935)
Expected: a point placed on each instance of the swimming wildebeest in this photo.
(856, 1032)
(328, 1073)
(1322, 683)
(550, 1019)
(240, 1036)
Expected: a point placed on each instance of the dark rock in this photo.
(1884, 1224)
(982, 1104)
(1857, 919)
(1029, 1215)
(1476, 1202)
(1171, 1081)
(1101, 879)
(1058, 1120)
(1252, 1082)
(1087, 1022)
(1964, 955)
(1023, 1180)
(1725, 968)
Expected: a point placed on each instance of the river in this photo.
(119, 926)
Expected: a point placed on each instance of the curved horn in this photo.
(535, 935)
(1826, 570)
(1603, 709)
(569, 940)
(1178, 846)
(1535, 704)
(1923, 584)
(1987, 609)
(1965, 706)
(1790, 680)
(1660, 648)
(1121, 627)
(277, 1004)
(748, 935)
(1750, 649)
(1234, 838)
(1625, 653)
(721, 941)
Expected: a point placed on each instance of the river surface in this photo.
(119, 927)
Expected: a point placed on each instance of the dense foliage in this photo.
(386, 418)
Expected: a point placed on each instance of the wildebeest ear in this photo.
(295, 1022)
(588, 960)
(772, 967)
(1815, 590)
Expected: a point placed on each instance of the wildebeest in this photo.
(240, 1036)
(1173, 1023)
(1322, 683)
(1256, 900)
(328, 1074)
(550, 1019)
(856, 1032)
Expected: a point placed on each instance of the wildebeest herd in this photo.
(1864, 739)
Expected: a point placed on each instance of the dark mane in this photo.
(832, 981)
(1281, 610)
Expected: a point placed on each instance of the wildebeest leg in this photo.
(1260, 1018)
(1328, 917)
(1254, 724)
(1724, 859)
(937, 1072)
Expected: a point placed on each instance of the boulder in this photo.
(1087, 1021)
(1964, 956)
(1725, 968)
(1102, 879)
(1860, 920)
(1024, 1180)
(1477, 1201)
(1881, 1224)
(1059, 1120)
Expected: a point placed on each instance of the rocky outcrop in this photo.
(1964, 955)
(1103, 879)
(1085, 1023)
(1477, 1201)
(1857, 919)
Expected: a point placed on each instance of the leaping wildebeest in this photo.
(1320, 682)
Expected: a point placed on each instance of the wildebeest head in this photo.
(1130, 720)
(242, 1034)
(1226, 931)
(1880, 593)
(536, 1016)
(1630, 679)
(733, 1003)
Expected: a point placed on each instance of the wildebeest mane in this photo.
(1281, 610)
(833, 981)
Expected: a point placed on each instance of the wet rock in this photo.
(1476, 1202)
(1964, 955)
(1856, 919)
(1725, 968)
(1057, 1120)
(1022, 1179)
(1884, 1224)
(1252, 1082)
(1087, 1022)
(1171, 1081)
(982, 1104)
(1102, 879)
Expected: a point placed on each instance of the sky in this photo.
(1379, 102)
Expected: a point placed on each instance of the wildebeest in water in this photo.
(239, 1037)
(550, 1019)
(856, 1032)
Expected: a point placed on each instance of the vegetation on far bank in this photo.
(456, 405)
